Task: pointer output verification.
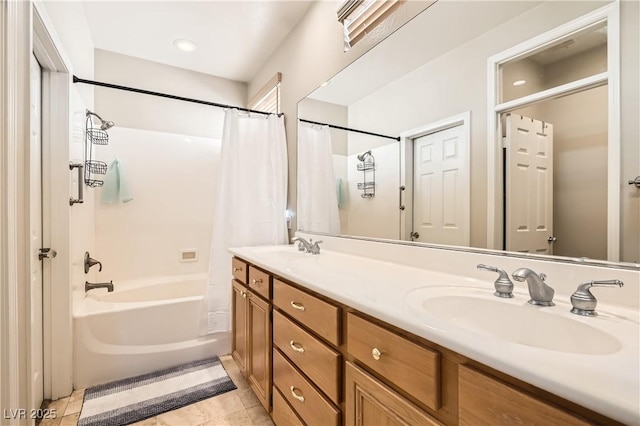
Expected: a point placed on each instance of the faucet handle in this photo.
(315, 247)
(503, 284)
(542, 276)
(584, 302)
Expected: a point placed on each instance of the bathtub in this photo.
(140, 327)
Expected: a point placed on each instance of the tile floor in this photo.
(239, 407)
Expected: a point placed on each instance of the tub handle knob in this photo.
(89, 262)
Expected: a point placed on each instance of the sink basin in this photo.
(512, 320)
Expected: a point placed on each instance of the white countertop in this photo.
(608, 383)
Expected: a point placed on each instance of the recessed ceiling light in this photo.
(185, 45)
(519, 82)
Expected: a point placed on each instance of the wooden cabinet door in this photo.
(259, 370)
(239, 335)
(369, 402)
(485, 400)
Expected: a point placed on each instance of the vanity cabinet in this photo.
(369, 402)
(312, 360)
(485, 400)
(251, 329)
(306, 358)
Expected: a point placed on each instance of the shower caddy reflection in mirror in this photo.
(94, 136)
(367, 165)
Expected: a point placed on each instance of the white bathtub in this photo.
(141, 327)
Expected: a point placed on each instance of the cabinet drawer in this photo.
(485, 400)
(321, 317)
(411, 367)
(317, 360)
(307, 402)
(283, 414)
(239, 270)
(260, 282)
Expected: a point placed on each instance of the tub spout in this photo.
(90, 286)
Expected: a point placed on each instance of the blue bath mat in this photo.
(130, 400)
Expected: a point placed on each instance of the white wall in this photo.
(173, 180)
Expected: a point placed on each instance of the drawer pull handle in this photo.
(295, 395)
(376, 354)
(298, 306)
(296, 347)
(237, 269)
(257, 280)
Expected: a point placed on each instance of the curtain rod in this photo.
(164, 95)
(397, 138)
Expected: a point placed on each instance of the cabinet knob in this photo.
(295, 395)
(257, 280)
(296, 347)
(298, 306)
(237, 269)
(243, 294)
(376, 354)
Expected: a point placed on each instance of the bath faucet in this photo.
(503, 285)
(541, 294)
(307, 246)
(90, 286)
(303, 245)
(583, 301)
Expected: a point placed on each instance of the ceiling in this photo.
(234, 38)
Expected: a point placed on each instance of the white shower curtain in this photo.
(250, 202)
(317, 198)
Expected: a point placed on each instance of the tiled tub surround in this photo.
(607, 383)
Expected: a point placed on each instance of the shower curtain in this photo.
(250, 202)
(317, 198)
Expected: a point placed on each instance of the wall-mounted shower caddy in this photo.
(94, 136)
(367, 165)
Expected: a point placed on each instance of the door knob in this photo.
(552, 239)
(635, 182)
(415, 235)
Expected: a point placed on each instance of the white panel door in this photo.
(529, 185)
(35, 290)
(441, 187)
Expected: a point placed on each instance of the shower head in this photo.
(364, 155)
(104, 125)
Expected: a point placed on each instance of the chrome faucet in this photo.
(90, 286)
(584, 302)
(307, 246)
(503, 285)
(541, 294)
(303, 245)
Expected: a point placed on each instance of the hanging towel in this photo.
(116, 187)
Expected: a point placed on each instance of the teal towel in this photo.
(116, 186)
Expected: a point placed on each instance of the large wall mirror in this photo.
(419, 164)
